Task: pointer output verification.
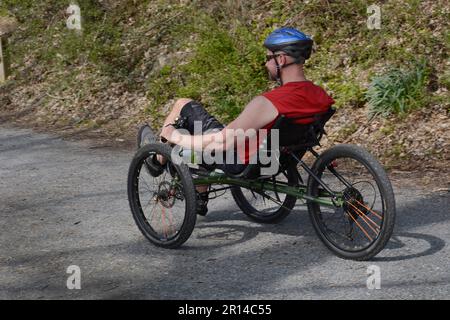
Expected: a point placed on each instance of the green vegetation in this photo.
(398, 91)
(212, 50)
(346, 131)
(224, 71)
(3, 12)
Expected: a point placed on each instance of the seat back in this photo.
(307, 135)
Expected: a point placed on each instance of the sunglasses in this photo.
(272, 56)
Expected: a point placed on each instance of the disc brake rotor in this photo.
(168, 193)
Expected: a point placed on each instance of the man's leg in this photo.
(194, 112)
(176, 109)
(146, 135)
(174, 113)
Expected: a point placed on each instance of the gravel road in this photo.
(64, 203)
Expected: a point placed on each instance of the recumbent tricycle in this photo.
(348, 194)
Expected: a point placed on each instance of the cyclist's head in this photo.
(292, 42)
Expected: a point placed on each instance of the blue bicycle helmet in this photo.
(291, 41)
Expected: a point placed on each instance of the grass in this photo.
(222, 68)
(398, 91)
(224, 72)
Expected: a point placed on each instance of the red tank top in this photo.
(294, 99)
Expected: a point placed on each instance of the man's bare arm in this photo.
(259, 112)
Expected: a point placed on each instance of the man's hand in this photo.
(188, 141)
(170, 134)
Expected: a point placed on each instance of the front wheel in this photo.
(361, 222)
(163, 204)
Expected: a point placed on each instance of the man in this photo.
(287, 50)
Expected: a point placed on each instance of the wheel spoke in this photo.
(374, 213)
(146, 185)
(163, 219)
(366, 219)
(360, 227)
(263, 205)
(152, 213)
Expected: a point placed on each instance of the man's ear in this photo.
(283, 60)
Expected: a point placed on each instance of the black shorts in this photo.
(194, 111)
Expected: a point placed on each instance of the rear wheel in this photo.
(265, 207)
(163, 207)
(361, 223)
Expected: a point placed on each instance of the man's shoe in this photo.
(146, 136)
(202, 203)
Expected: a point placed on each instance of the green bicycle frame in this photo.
(299, 192)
